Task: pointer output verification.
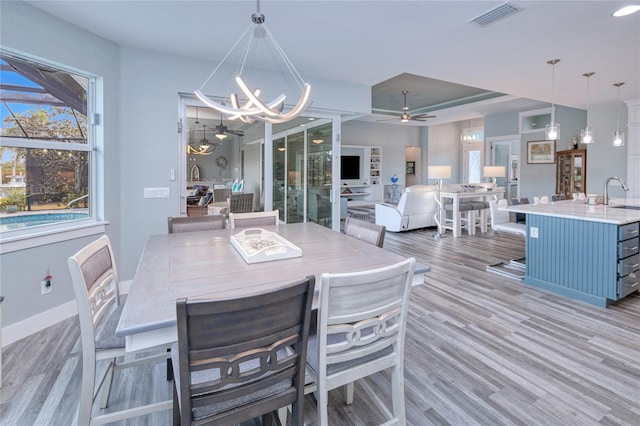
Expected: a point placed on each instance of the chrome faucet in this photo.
(605, 200)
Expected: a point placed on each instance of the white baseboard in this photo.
(39, 322)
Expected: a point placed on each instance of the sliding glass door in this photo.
(302, 173)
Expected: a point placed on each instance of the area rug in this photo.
(367, 212)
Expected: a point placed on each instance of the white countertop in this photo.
(574, 209)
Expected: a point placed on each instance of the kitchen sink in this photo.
(626, 207)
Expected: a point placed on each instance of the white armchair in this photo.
(416, 209)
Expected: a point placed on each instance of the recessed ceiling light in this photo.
(627, 10)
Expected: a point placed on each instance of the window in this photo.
(47, 145)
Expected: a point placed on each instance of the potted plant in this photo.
(13, 201)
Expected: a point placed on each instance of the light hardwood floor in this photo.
(480, 349)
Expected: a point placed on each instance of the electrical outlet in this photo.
(534, 232)
(45, 287)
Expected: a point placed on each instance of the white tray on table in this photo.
(259, 245)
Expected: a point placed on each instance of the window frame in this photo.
(25, 238)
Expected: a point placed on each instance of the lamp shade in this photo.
(439, 172)
(494, 171)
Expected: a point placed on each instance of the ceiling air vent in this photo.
(495, 14)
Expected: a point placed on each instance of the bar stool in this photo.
(481, 218)
(467, 216)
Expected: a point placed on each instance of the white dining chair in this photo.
(95, 283)
(244, 220)
(500, 219)
(195, 223)
(361, 331)
(365, 231)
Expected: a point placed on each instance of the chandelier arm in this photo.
(225, 57)
(267, 109)
(231, 111)
(236, 104)
(303, 102)
(292, 69)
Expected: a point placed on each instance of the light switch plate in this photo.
(156, 193)
(534, 232)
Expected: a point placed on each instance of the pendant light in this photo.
(586, 134)
(552, 131)
(468, 136)
(618, 136)
(254, 108)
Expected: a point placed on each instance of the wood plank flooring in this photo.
(480, 350)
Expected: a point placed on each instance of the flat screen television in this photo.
(350, 167)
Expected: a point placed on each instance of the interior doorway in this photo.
(505, 152)
(472, 155)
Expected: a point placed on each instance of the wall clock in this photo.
(221, 162)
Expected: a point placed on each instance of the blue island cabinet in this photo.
(595, 262)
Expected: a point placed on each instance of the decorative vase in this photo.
(394, 179)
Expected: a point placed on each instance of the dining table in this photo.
(206, 265)
(483, 194)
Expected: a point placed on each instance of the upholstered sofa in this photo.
(416, 209)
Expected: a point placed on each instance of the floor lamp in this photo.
(494, 172)
(439, 172)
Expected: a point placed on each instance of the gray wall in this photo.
(540, 179)
(141, 144)
(603, 160)
(27, 29)
(392, 138)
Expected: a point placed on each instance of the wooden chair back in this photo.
(241, 358)
(241, 203)
(221, 194)
(365, 231)
(196, 223)
(253, 219)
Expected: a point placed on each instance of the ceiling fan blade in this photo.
(236, 132)
(413, 117)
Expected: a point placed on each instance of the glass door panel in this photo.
(295, 177)
(501, 157)
(319, 174)
(302, 174)
(279, 187)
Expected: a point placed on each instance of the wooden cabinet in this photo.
(571, 172)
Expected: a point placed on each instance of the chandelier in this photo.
(468, 136)
(252, 108)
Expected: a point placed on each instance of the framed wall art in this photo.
(411, 168)
(541, 152)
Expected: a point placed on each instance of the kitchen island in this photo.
(586, 252)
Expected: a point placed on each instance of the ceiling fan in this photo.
(203, 147)
(405, 116)
(223, 131)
